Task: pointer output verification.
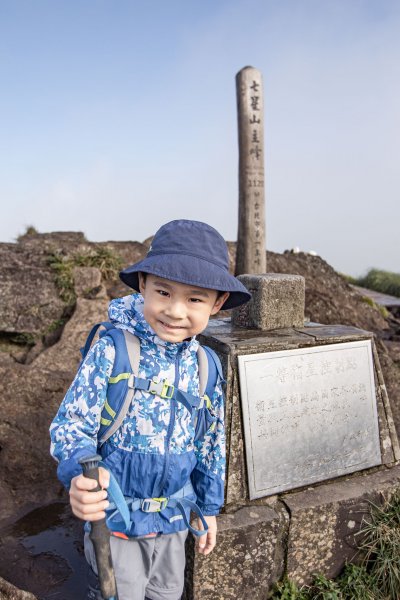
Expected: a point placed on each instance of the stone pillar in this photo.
(278, 300)
(251, 253)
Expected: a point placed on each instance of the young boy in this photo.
(154, 454)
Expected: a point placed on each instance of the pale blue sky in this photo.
(117, 116)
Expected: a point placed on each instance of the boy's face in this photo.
(176, 311)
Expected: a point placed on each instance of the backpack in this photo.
(124, 380)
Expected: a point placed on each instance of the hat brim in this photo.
(191, 271)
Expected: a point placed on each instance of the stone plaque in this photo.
(309, 414)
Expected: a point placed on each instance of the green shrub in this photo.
(369, 301)
(62, 267)
(350, 279)
(23, 339)
(29, 230)
(381, 281)
(356, 583)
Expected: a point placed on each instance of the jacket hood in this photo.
(127, 313)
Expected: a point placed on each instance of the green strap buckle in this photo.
(162, 388)
(154, 504)
(167, 391)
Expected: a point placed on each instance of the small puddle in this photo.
(42, 553)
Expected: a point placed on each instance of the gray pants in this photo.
(150, 568)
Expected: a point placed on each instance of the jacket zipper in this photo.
(170, 426)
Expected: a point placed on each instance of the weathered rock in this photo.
(247, 560)
(30, 400)
(65, 355)
(45, 242)
(31, 308)
(29, 300)
(9, 592)
(324, 522)
(393, 349)
(88, 282)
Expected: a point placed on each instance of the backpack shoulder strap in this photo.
(133, 348)
(129, 344)
(203, 370)
(85, 349)
(210, 370)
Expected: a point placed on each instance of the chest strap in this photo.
(164, 389)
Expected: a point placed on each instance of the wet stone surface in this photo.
(42, 552)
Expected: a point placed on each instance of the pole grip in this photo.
(100, 536)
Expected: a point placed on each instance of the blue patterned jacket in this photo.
(153, 453)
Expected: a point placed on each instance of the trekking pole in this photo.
(100, 536)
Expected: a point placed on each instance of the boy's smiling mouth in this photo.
(168, 326)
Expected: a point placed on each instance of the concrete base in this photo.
(247, 560)
(278, 301)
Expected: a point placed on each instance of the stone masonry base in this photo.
(303, 533)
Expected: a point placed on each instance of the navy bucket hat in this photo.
(189, 252)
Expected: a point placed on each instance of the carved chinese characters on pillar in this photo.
(251, 255)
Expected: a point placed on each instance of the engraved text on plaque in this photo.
(309, 415)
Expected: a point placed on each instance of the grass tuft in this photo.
(382, 309)
(381, 546)
(288, 590)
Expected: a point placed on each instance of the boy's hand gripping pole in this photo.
(100, 536)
